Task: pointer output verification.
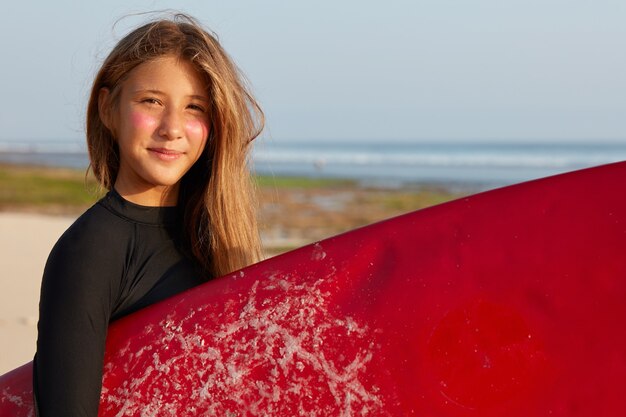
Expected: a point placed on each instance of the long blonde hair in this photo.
(216, 194)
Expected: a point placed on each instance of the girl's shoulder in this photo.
(98, 223)
(90, 254)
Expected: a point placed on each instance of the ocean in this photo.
(381, 163)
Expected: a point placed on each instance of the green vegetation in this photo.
(404, 201)
(35, 188)
(23, 187)
(266, 181)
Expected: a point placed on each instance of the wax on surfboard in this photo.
(505, 303)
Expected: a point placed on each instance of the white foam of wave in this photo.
(442, 159)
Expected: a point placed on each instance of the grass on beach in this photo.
(45, 190)
(293, 210)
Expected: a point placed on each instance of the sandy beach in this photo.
(25, 242)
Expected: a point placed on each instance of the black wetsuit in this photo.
(115, 259)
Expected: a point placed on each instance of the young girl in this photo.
(169, 127)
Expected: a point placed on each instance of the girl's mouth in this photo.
(165, 154)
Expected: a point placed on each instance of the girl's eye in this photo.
(197, 108)
(150, 100)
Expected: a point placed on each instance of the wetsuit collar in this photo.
(138, 213)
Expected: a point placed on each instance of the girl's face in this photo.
(161, 123)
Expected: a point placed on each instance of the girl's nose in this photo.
(171, 125)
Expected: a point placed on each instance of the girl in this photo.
(169, 127)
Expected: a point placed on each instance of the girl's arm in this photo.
(77, 295)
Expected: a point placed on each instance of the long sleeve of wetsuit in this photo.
(80, 285)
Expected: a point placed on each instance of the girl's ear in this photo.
(104, 108)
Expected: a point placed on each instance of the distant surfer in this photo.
(169, 129)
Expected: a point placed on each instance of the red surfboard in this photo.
(510, 303)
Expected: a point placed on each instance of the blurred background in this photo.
(373, 108)
(456, 96)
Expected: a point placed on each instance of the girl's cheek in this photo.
(197, 129)
(143, 121)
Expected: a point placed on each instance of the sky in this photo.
(405, 70)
